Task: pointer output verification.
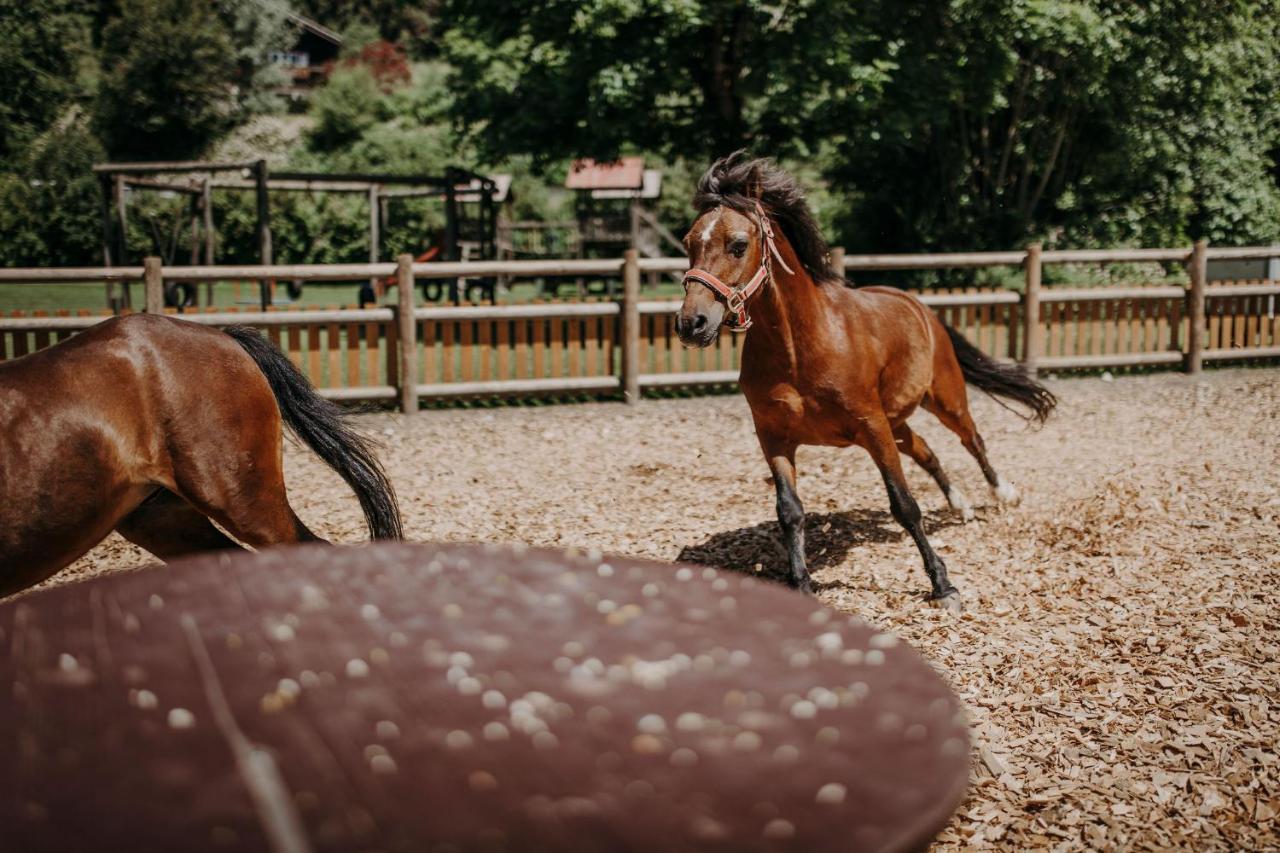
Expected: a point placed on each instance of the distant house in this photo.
(309, 59)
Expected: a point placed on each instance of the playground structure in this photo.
(470, 201)
(613, 211)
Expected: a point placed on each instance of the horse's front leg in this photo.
(878, 440)
(781, 456)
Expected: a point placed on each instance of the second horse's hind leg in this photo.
(914, 446)
(169, 527)
(248, 500)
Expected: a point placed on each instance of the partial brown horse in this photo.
(828, 364)
(152, 426)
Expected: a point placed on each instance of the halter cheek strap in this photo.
(735, 297)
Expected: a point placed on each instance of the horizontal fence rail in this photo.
(410, 352)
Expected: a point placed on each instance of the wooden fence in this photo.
(409, 352)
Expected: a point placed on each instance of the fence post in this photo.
(153, 282)
(1031, 338)
(631, 326)
(1196, 267)
(407, 333)
(263, 226)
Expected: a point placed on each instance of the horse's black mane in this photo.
(739, 180)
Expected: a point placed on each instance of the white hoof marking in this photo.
(960, 504)
(1006, 493)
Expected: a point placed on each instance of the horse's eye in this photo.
(738, 248)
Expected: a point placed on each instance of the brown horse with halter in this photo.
(827, 364)
(152, 426)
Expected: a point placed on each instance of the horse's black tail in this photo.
(1001, 379)
(323, 426)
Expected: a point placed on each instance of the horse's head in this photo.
(727, 255)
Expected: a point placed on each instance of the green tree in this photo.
(49, 202)
(692, 78)
(956, 124)
(256, 28)
(168, 77)
(1089, 122)
(41, 43)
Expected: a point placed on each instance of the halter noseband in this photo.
(735, 298)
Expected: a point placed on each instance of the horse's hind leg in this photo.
(244, 491)
(950, 405)
(259, 516)
(169, 527)
(914, 446)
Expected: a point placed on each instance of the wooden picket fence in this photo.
(410, 352)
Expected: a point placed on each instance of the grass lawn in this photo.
(92, 296)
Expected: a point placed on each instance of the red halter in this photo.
(735, 298)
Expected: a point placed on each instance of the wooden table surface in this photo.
(445, 698)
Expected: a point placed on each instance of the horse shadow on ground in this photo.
(828, 540)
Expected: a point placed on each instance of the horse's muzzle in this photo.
(696, 329)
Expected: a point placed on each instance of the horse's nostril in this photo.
(699, 322)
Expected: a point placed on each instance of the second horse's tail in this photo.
(1001, 379)
(323, 426)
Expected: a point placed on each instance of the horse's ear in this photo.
(754, 184)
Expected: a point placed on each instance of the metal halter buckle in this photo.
(736, 302)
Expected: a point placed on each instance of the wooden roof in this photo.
(624, 174)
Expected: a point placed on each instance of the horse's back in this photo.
(90, 426)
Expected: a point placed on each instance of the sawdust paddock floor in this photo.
(1119, 652)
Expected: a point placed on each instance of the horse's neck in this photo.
(788, 310)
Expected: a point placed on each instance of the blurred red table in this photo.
(433, 698)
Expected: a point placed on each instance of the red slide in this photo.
(390, 281)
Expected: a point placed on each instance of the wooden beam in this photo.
(364, 177)
(104, 214)
(153, 282)
(1111, 256)
(1197, 271)
(705, 377)
(1032, 335)
(122, 236)
(210, 240)
(407, 325)
(264, 228)
(1120, 359)
(631, 327)
(934, 261)
(177, 167)
(375, 236)
(166, 186)
(564, 384)
(277, 185)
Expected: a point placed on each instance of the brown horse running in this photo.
(827, 364)
(152, 426)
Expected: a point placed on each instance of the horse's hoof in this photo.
(960, 504)
(949, 602)
(1006, 493)
(805, 586)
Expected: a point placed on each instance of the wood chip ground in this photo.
(1120, 650)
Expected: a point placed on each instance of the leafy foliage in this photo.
(168, 72)
(914, 124)
(41, 42)
(961, 124)
(678, 77)
(49, 204)
(1091, 123)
